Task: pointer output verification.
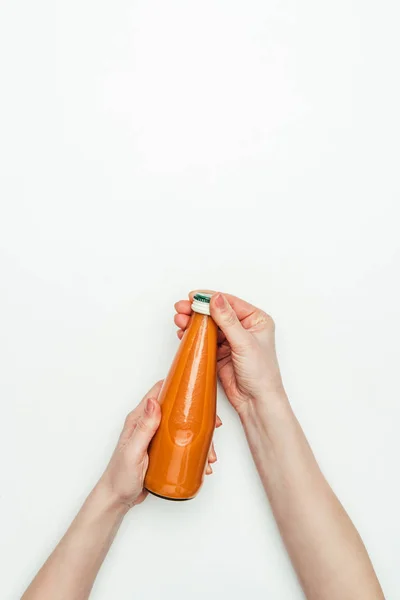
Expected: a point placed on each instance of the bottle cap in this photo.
(201, 303)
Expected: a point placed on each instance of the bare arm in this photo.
(325, 548)
(70, 571)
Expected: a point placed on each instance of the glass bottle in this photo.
(179, 450)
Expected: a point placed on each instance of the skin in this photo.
(326, 550)
(71, 569)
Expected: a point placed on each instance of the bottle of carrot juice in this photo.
(178, 452)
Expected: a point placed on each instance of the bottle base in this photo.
(166, 497)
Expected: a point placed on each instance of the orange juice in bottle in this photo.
(179, 450)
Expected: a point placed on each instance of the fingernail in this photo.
(219, 301)
(149, 407)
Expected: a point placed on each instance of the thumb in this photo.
(226, 319)
(146, 427)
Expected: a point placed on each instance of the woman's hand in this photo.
(319, 536)
(247, 362)
(124, 475)
(71, 569)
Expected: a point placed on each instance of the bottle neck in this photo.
(201, 304)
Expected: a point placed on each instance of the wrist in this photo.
(266, 412)
(107, 500)
(266, 400)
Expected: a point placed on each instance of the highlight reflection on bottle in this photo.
(179, 451)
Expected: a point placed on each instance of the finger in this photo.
(133, 416)
(154, 392)
(223, 351)
(183, 307)
(220, 337)
(221, 364)
(247, 314)
(242, 308)
(245, 311)
(218, 422)
(212, 457)
(227, 320)
(130, 423)
(251, 317)
(181, 321)
(180, 333)
(209, 470)
(145, 428)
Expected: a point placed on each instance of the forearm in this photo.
(70, 571)
(326, 551)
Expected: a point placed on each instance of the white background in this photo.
(151, 147)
